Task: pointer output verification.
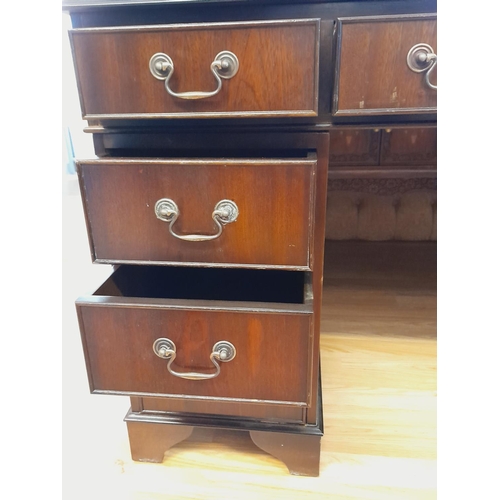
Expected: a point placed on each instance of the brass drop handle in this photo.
(225, 65)
(225, 212)
(420, 58)
(222, 351)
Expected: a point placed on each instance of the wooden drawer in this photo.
(386, 85)
(272, 201)
(277, 70)
(265, 315)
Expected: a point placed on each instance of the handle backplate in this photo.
(222, 351)
(420, 58)
(225, 212)
(225, 65)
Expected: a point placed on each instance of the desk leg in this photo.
(300, 453)
(149, 442)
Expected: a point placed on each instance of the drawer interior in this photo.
(246, 285)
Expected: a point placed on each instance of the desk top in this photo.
(74, 4)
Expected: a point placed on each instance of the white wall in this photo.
(71, 114)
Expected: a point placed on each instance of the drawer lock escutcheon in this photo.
(225, 212)
(421, 57)
(222, 351)
(225, 65)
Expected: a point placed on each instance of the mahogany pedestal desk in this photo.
(212, 123)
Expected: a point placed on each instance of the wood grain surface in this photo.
(405, 147)
(274, 198)
(374, 76)
(272, 352)
(278, 69)
(259, 411)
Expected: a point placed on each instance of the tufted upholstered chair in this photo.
(382, 209)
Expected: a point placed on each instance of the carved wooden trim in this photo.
(382, 187)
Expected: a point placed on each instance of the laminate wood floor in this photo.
(379, 389)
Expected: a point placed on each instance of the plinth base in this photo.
(151, 434)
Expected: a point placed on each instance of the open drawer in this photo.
(212, 334)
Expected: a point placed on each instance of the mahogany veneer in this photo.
(277, 75)
(275, 199)
(380, 81)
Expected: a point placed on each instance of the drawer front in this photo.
(272, 202)
(277, 70)
(229, 408)
(271, 363)
(381, 46)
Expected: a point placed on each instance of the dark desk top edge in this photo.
(75, 4)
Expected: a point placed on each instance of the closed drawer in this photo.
(195, 309)
(130, 205)
(381, 47)
(275, 72)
